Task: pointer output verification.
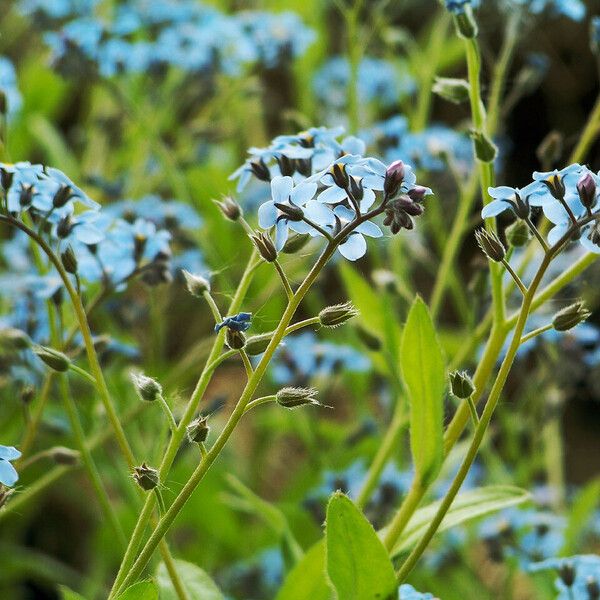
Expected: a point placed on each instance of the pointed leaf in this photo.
(144, 590)
(424, 373)
(197, 583)
(358, 564)
(466, 506)
(307, 579)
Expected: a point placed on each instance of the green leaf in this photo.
(67, 594)
(466, 506)
(144, 590)
(358, 564)
(424, 372)
(307, 579)
(197, 584)
(583, 507)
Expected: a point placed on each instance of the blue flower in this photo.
(239, 322)
(8, 85)
(285, 196)
(575, 574)
(8, 474)
(513, 199)
(408, 592)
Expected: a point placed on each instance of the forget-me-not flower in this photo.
(8, 474)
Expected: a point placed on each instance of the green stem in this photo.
(588, 136)
(284, 280)
(535, 333)
(214, 309)
(82, 373)
(167, 411)
(167, 520)
(515, 277)
(259, 401)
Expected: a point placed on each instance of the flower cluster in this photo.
(571, 9)
(568, 198)
(378, 81)
(578, 576)
(10, 96)
(145, 35)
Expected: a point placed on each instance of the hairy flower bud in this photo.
(230, 208)
(485, 149)
(257, 344)
(69, 260)
(265, 246)
(197, 431)
(147, 388)
(518, 234)
(490, 245)
(570, 316)
(146, 477)
(295, 243)
(586, 188)
(334, 316)
(453, 90)
(461, 385)
(54, 359)
(64, 456)
(196, 285)
(290, 211)
(236, 340)
(291, 397)
(394, 176)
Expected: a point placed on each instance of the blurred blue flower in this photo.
(8, 474)
(576, 574)
(457, 7)
(408, 592)
(9, 86)
(57, 9)
(239, 322)
(572, 9)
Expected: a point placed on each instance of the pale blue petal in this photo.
(495, 207)
(354, 247)
(8, 474)
(332, 195)
(9, 453)
(502, 192)
(303, 193)
(555, 212)
(88, 234)
(353, 145)
(281, 188)
(370, 229)
(319, 213)
(300, 226)
(588, 244)
(344, 213)
(556, 233)
(267, 215)
(281, 234)
(368, 200)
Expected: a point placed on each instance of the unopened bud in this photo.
(260, 170)
(464, 22)
(340, 175)
(586, 188)
(197, 431)
(146, 477)
(567, 574)
(236, 340)
(336, 315)
(290, 211)
(147, 388)
(53, 358)
(461, 385)
(518, 234)
(570, 316)
(64, 456)
(291, 397)
(230, 208)
(69, 260)
(257, 344)
(196, 285)
(453, 90)
(394, 176)
(490, 245)
(485, 149)
(265, 246)
(295, 243)
(14, 339)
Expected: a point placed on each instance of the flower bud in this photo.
(196, 285)
(461, 385)
(518, 234)
(265, 246)
(236, 340)
(340, 175)
(62, 196)
(550, 149)
(394, 176)
(453, 90)
(586, 188)
(567, 573)
(69, 260)
(197, 431)
(464, 20)
(27, 394)
(570, 316)
(64, 456)
(147, 388)
(257, 344)
(295, 243)
(146, 477)
(334, 316)
(14, 339)
(260, 170)
(230, 208)
(291, 397)
(290, 211)
(370, 340)
(53, 358)
(490, 245)
(417, 193)
(485, 149)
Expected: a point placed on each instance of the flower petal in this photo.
(354, 247)
(495, 207)
(332, 195)
(8, 474)
(303, 193)
(370, 229)
(9, 453)
(267, 215)
(319, 213)
(281, 188)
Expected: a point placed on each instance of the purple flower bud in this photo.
(394, 176)
(418, 193)
(586, 187)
